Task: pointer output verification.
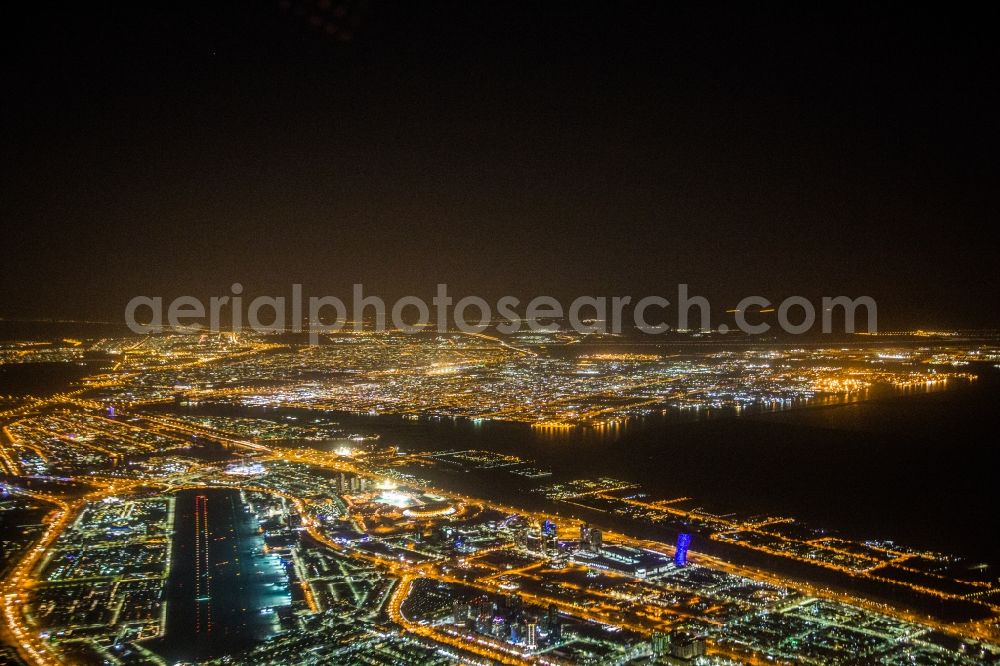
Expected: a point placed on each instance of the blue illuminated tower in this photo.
(549, 528)
(681, 554)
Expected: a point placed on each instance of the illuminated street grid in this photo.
(385, 569)
(933, 574)
(286, 430)
(70, 442)
(467, 579)
(341, 637)
(477, 549)
(101, 582)
(66, 351)
(480, 377)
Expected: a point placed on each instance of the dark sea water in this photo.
(918, 469)
(43, 379)
(14, 329)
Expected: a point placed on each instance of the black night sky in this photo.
(504, 147)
